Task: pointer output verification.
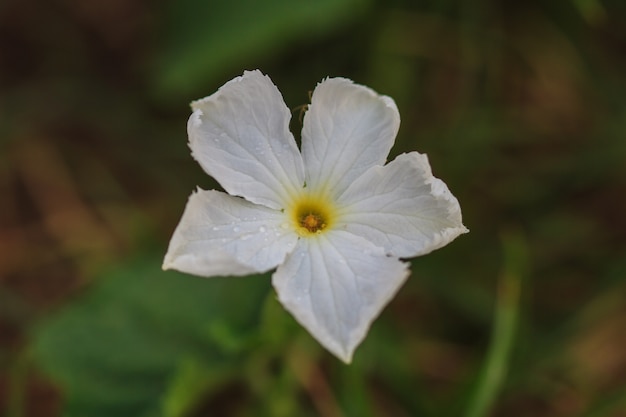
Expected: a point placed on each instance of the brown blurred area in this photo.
(523, 116)
(70, 73)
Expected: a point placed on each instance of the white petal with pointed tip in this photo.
(337, 282)
(224, 235)
(240, 135)
(347, 129)
(402, 208)
(335, 285)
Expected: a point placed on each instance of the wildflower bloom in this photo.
(333, 218)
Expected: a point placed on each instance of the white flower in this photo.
(333, 219)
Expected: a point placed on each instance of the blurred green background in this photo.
(521, 107)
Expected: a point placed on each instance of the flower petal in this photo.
(224, 235)
(402, 208)
(335, 285)
(240, 135)
(347, 129)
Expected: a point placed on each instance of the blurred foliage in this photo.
(117, 349)
(203, 39)
(521, 107)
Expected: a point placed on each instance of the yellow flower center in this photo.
(312, 222)
(312, 214)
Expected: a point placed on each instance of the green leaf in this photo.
(115, 350)
(204, 38)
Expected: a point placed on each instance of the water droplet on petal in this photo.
(284, 225)
(236, 229)
(262, 229)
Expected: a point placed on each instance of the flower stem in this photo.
(493, 372)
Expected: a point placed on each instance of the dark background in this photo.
(521, 107)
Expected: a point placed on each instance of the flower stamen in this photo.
(312, 214)
(312, 222)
